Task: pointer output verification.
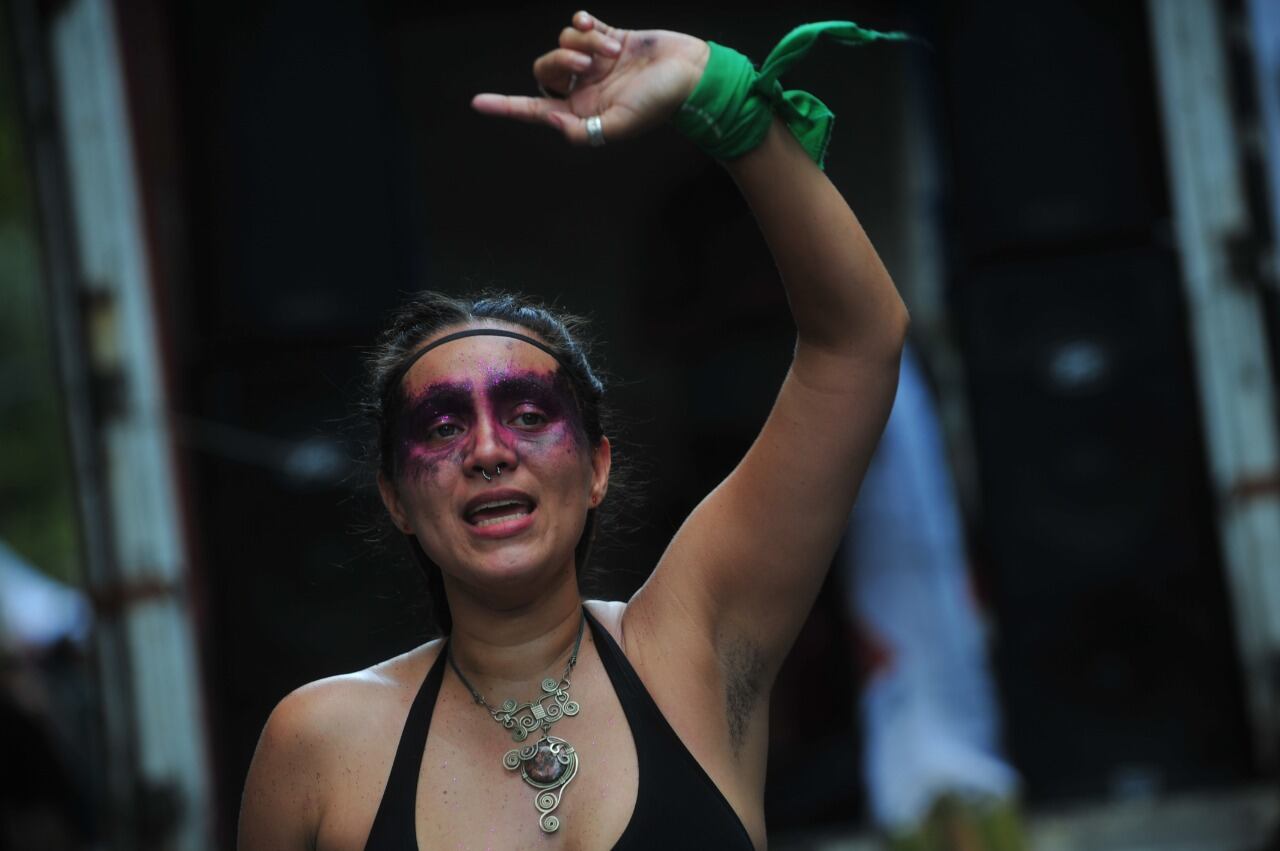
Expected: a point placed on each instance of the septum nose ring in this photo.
(497, 471)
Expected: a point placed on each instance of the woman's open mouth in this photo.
(499, 513)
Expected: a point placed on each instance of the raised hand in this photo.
(631, 79)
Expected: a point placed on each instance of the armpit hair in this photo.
(744, 674)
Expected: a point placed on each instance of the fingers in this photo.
(587, 50)
(554, 113)
(587, 22)
(580, 46)
(592, 42)
(575, 128)
(558, 70)
(532, 110)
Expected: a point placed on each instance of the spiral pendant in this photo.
(550, 763)
(547, 765)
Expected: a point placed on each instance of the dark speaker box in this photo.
(1050, 108)
(1116, 654)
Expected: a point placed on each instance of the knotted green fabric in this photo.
(733, 104)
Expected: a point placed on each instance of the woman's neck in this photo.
(507, 650)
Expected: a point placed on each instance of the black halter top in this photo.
(678, 806)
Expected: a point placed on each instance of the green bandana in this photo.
(732, 106)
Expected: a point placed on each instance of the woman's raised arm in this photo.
(743, 571)
(758, 547)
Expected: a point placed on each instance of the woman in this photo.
(631, 724)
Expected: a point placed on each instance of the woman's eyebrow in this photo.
(543, 387)
(441, 397)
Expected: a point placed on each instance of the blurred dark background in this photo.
(301, 166)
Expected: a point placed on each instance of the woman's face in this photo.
(474, 404)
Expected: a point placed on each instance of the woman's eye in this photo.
(444, 430)
(529, 419)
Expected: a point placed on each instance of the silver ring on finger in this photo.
(595, 131)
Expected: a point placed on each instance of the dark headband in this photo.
(472, 332)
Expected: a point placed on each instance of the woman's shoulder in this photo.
(349, 716)
(336, 708)
(326, 741)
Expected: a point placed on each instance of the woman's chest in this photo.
(480, 787)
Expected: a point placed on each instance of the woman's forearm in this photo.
(841, 295)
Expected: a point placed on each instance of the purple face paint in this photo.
(531, 414)
(547, 393)
(426, 415)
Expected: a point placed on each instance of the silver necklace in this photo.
(549, 763)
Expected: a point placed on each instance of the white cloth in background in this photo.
(930, 722)
(35, 610)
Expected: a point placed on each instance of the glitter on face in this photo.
(477, 404)
(431, 407)
(530, 412)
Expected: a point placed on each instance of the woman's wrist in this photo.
(776, 143)
(731, 108)
(696, 66)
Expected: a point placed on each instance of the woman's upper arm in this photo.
(745, 567)
(281, 806)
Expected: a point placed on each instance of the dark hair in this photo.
(426, 315)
